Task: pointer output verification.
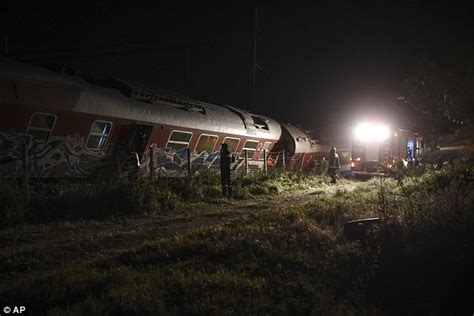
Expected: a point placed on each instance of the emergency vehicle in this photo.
(378, 148)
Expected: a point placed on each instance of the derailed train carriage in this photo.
(302, 151)
(54, 125)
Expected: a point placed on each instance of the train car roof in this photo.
(159, 109)
(303, 142)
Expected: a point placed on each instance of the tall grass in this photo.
(41, 202)
(427, 245)
(418, 260)
(272, 262)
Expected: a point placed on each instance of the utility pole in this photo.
(5, 43)
(186, 72)
(254, 61)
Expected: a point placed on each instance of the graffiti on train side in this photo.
(12, 151)
(21, 156)
(171, 162)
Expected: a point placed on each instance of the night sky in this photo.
(322, 62)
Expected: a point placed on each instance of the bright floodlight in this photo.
(362, 131)
(371, 132)
(382, 132)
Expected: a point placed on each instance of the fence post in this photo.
(118, 167)
(151, 162)
(265, 165)
(284, 161)
(302, 162)
(188, 153)
(246, 167)
(26, 167)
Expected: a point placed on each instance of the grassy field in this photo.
(280, 249)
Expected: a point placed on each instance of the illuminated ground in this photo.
(35, 249)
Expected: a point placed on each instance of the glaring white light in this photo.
(362, 131)
(382, 132)
(371, 132)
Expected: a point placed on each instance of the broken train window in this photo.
(98, 134)
(41, 125)
(179, 140)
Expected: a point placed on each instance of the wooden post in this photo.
(118, 167)
(284, 160)
(265, 165)
(151, 162)
(26, 166)
(246, 167)
(188, 152)
(302, 162)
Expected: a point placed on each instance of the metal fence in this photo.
(183, 162)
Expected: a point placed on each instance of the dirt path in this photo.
(35, 249)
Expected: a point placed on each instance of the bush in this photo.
(105, 198)
(205, 186)
(151, 196)
(427, 245)
(258, 189)
(15, 207)
(81, 200)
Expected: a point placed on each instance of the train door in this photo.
(133, 137)
(410, 148)
(140, 138)
(131, 144)
(124, 138)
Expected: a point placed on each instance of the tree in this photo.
(439, 96)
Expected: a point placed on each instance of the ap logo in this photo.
(14, 310)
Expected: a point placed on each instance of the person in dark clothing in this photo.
(226, 160)
(333, 164)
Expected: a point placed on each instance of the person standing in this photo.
(226, 160)
(333, 164)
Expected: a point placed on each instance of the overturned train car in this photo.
(56, 125)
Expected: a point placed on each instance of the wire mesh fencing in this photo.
(183, 162)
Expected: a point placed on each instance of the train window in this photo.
(41, 125)
(259, 122)
(98, 134)
(250, 146)
(266, 146)
(179, 140)
(232, 143)
(206, 143)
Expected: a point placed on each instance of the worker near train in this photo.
(333, 164)
(226, 159)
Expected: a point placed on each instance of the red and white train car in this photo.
(302, 151)
(54, 124)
